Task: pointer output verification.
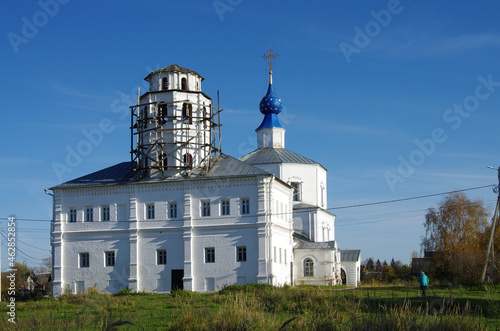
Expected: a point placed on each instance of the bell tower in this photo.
(270, 133)
(174, 126)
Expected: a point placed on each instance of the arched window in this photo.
(308, 267)
(163, 160)
(184, 84)
(145, 116)
(187, 113)
(162, 109)
(164, 83)
(188, 161)
(297, 194)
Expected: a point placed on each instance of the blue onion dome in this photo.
(270, 104)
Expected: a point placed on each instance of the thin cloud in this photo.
(428, 46)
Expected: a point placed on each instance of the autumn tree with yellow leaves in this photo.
(455, 231)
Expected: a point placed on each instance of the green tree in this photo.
(370, 266)
(388, 274)
(454, 232)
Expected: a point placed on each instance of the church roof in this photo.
(113, 175)
(121, 173)
(228, 166)
(270, 155)
(315, 245)
(173, 68)
(352, 255)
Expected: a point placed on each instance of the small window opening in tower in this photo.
(184, 84)
(188, 161)
(145, 116)
(187, 113)
(162, 111)
(163, 161)
(164, 83)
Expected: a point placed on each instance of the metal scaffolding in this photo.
(154, 139)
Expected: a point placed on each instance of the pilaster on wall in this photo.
(134, 279)
(263, 229)
(57, 246)
(188, 279)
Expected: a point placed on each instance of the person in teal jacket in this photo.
(423, 281)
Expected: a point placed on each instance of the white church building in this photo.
(183, 215)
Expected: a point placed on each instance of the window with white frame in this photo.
(72, 215)
(308, 267)
(161, 256)
(224, 207)
(105, 213)
(84, 260)
(209, 254)
(205, 208)
(109, 258)
(241, 253)
(296, 191)
(245, 206)
(150, 211)
(172, 210)
(89, 214)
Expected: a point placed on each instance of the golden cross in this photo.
(270, 56)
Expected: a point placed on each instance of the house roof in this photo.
(122, 173)
(43, 277)
(347, 255)
(173, 68)
(270, 155)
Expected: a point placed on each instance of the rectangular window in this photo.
(172, 210)
(209, 254)
(241, 253)
(105, 213)
(161, 256)
(275, 254)
(296, 191)
(280, 255)
(284, 256)
(225, 207)
(150, 211)
(89, 214)
(84, 260)
(72, 215)
(205, 208)
(245, 206)
(110, 259)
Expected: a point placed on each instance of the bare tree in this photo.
(454, 231)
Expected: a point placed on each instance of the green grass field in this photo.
(262, 307)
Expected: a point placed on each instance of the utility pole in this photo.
(490, 251)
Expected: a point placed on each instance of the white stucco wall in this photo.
(324, 266)
(135, 239)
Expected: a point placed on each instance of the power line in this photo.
(20, 251)
(411, 198)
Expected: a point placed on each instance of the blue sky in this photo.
(396, 99)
